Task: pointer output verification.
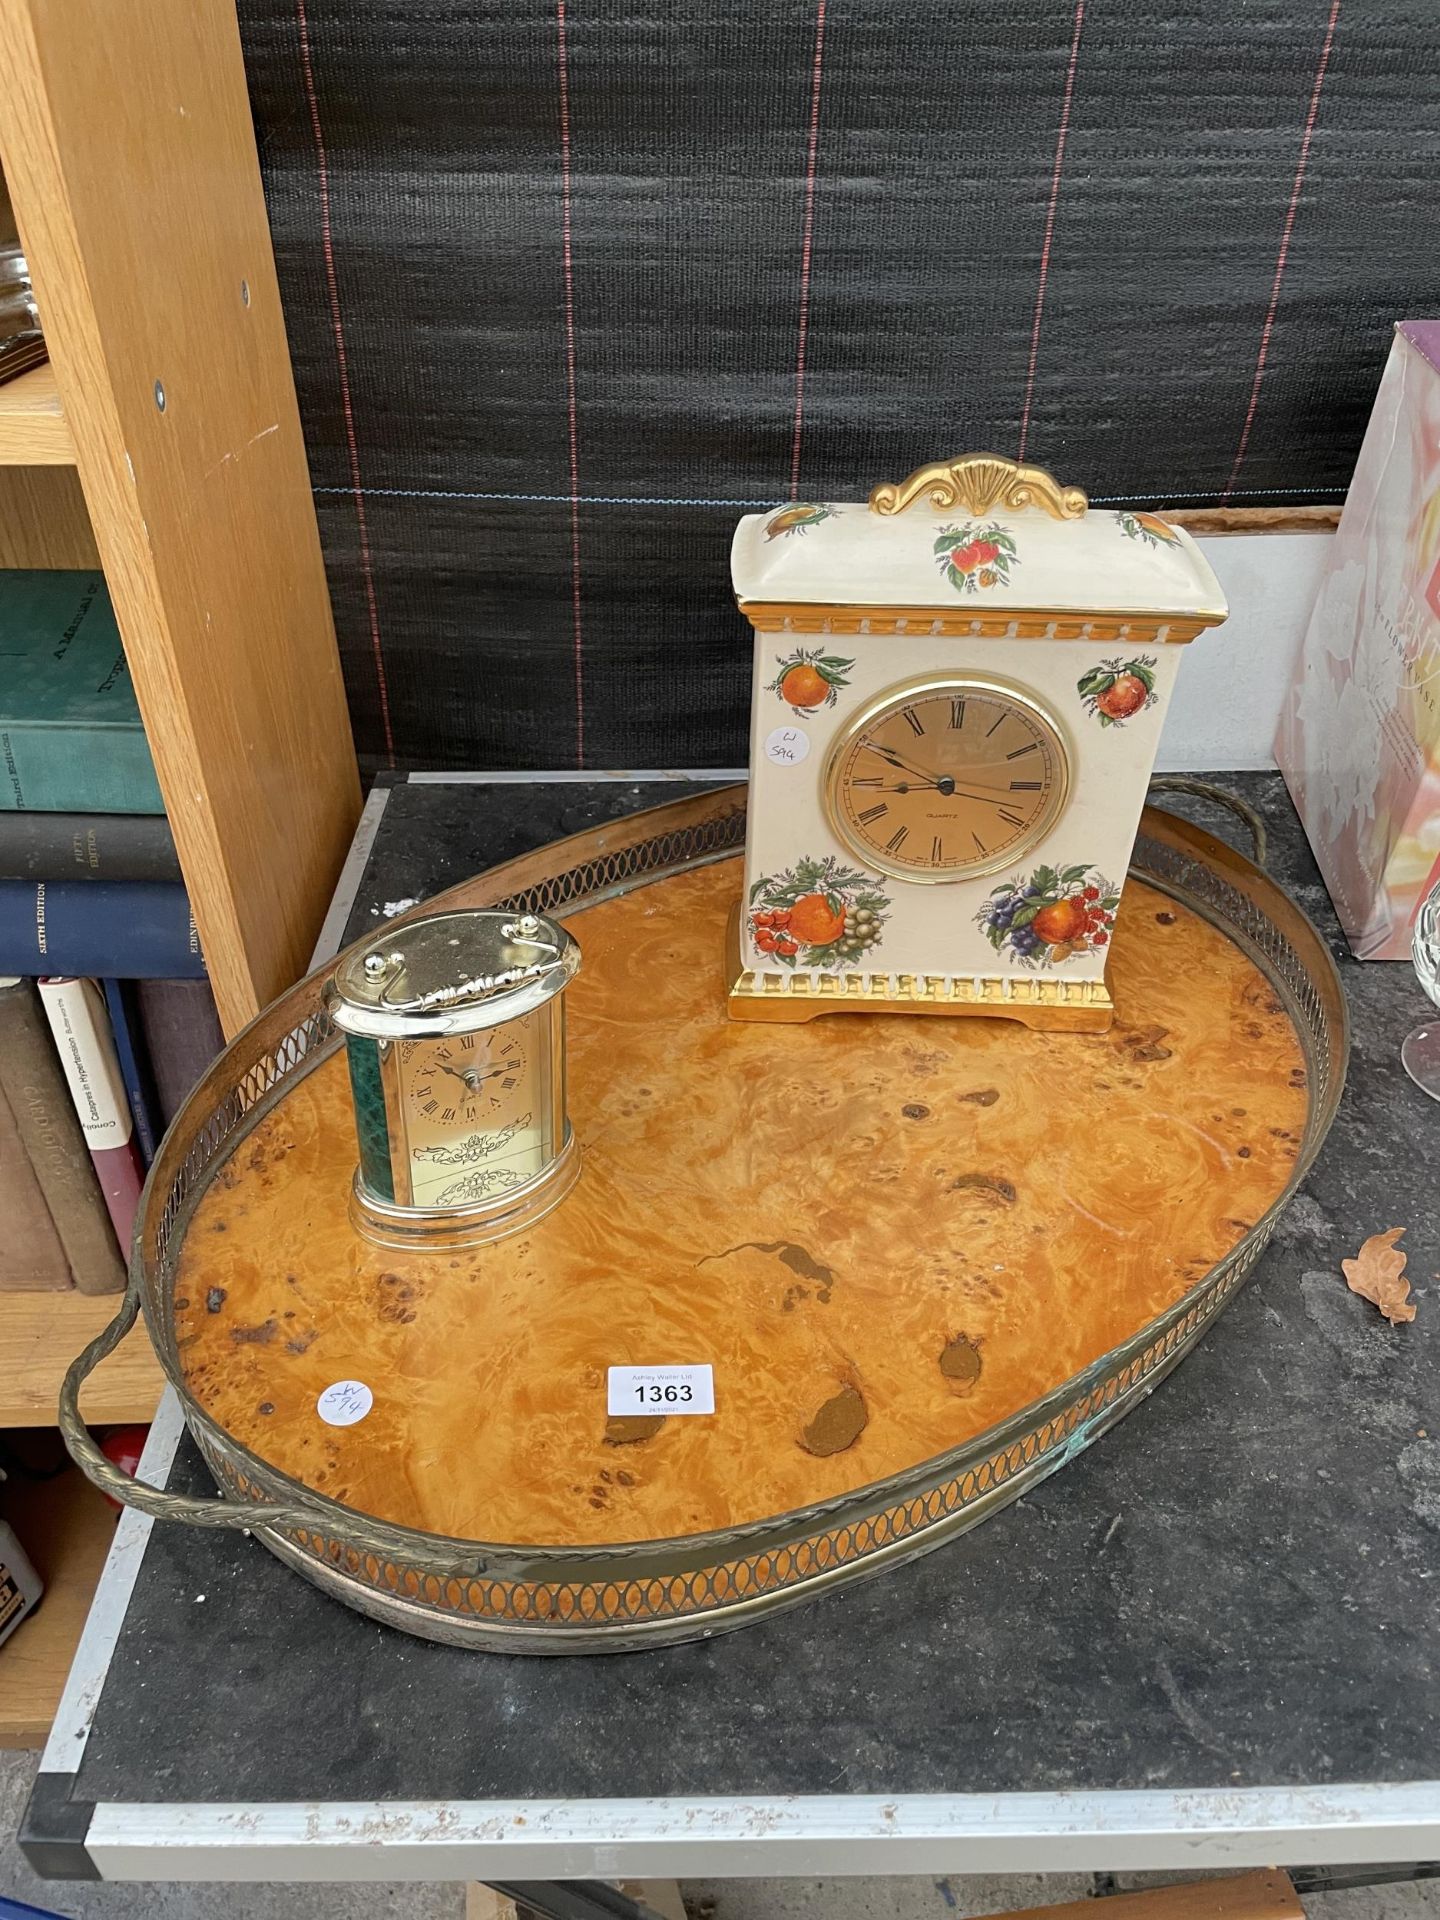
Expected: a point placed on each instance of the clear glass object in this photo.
(1421, 1049)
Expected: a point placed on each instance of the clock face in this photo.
(472, 1113)
(947, 778)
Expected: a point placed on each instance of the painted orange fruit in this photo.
(1127, 696)
(803, 686)
(815, 922)
(1060, 922)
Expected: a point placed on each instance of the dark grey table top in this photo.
(1233, 1588)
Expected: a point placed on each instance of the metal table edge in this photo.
(833, 1835)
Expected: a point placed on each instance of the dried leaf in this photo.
(1378, 1274)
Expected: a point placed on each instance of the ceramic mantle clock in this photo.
(958, 695)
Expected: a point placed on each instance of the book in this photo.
(39, 1100)
(31, 1256)
(87, 846)
(181, 1034)
(124, 1012)
(70, 734)
(19, 352)
(137, 929)
(20, 1591)
(1359, 737)
(86, 1046)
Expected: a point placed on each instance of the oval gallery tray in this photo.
(927, 1260)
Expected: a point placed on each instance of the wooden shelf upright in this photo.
(128, 150)
(162, 443)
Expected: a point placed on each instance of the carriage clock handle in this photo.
(361, 1534)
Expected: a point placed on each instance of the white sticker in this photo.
(344, 1403)
(787, 746)
(661, 1390)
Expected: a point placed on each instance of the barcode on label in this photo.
(661, 1390)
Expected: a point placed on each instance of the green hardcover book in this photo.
(70, 734)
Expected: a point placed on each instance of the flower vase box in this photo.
(1359, 739)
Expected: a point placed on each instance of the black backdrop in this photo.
(571, 284)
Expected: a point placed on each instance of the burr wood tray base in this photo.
(927, 1260)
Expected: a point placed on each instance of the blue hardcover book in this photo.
(70, 734)
(131, 930)
(134, 1065)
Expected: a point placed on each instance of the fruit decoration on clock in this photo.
(958, 695)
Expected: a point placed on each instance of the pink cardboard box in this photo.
(1359, 739)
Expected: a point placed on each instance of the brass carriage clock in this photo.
(958, 695)
(454, 1031)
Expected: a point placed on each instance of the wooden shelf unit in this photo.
(33, 432)
(41, 1333)
(65, 1527)
(129, 157)
(162, 444)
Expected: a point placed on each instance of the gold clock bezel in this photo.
(925, 686)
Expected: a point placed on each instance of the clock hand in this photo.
(470, 1077)
(905, 766)
(947, 789)
(455, 1072)
(943, 783)
(976, 786)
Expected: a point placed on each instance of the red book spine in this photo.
(86, 1046)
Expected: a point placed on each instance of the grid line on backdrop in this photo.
(806, 248)
(570, 286)
(342, 369)
(572, 412)
(1286, 231)
(1044, 273)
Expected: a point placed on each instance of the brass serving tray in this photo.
(831, 1469)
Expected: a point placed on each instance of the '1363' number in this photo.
(657, 1394)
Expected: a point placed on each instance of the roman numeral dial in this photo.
(947, 778)
(467, 1082)
(472, 1106)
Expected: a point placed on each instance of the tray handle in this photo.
(235, 1515)
(1203, 790)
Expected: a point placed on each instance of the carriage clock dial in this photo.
(471, 1111)
(947, 778)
